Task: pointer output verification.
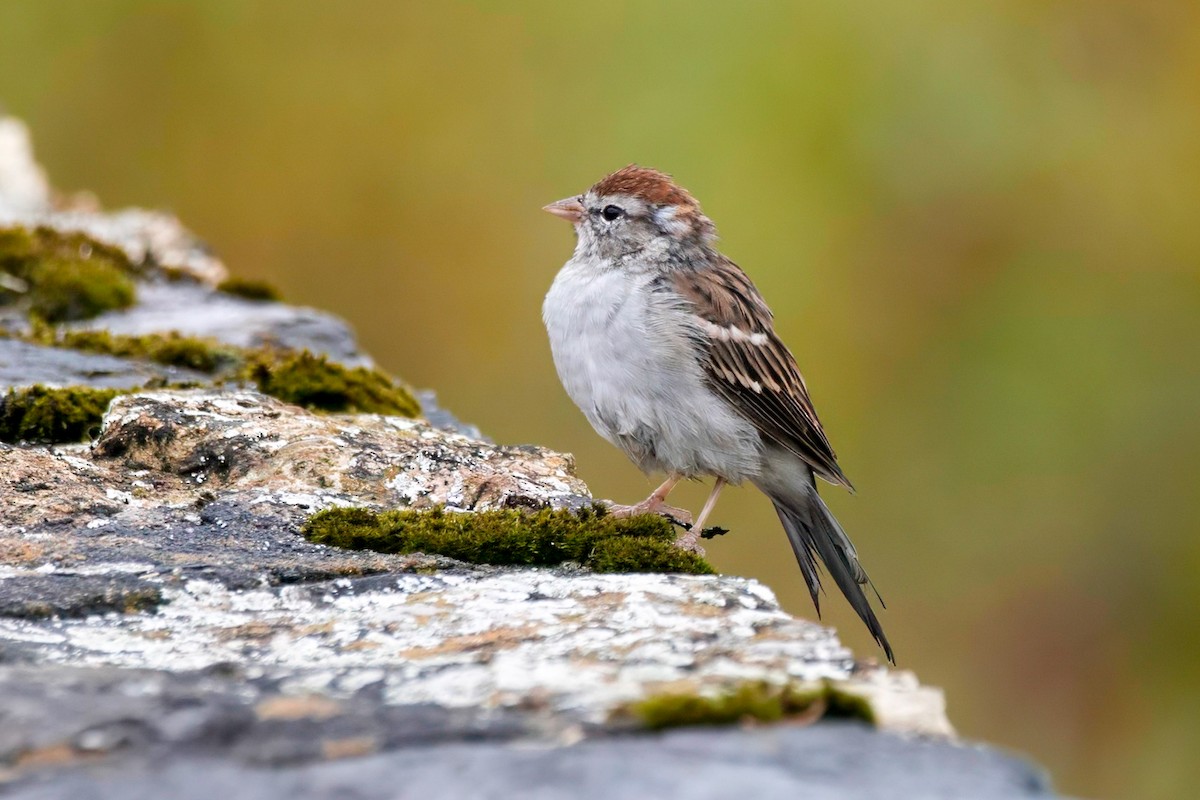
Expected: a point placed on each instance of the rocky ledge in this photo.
(170, 626)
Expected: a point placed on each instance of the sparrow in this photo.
(671, 353)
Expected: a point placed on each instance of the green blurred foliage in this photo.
(977, 224)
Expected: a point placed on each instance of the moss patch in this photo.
(169, 349)
(63, 290)
(66, 276)
(751, 702)
(317, 383)
(297, 377)
(47, 416)
(249, 289)
(543, 538)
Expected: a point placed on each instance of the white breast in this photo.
(625, 356)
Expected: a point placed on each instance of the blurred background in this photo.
(978, 225)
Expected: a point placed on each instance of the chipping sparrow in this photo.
(670, 352)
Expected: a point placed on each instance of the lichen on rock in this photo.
(248, 441)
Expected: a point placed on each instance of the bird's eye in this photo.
(612, 212)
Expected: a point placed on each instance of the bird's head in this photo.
(632, 210)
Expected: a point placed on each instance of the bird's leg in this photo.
(689, 539)
(656, 503)
(709, 504)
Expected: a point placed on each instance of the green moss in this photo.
(169, 349)
(67, 276)
(751, 702)
(296, 377)
(45, 415)
(841, 704)
(63, 290)
(63, 277)
(317, 383)
(250, 289)
(543, 538)
(21, 248)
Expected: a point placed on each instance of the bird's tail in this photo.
(813, 532)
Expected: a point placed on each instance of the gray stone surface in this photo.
(24, 364)
(833, 761)
(194, 309)
(224, 711)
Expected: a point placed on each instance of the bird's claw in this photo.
(680, 516)
(689, 541)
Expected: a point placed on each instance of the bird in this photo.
(671, 353)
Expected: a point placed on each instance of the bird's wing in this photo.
(749, 366)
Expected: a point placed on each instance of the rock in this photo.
(196, 310)
(24, 364)
(152, 239)
(834, 761)
(215, 485)
(166, 630)
(244, 441)
(178, 273)
(23, 185)
(187, 506)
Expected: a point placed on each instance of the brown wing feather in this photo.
(752, 368)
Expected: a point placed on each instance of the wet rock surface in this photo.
(166, 630)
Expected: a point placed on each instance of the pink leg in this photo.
(690, 539)
(656, 503)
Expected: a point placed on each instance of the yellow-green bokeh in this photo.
(978, 225)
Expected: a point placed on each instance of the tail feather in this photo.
(806, 555)
(813, 531)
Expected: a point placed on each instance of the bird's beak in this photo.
(568, 208)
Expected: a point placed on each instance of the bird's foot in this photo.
(652, 505)
(690, 540)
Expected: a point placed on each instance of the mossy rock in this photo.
(64, 290)
(297, 377)
(316, 383)
(67, 276)
(21, 248)
(169, 349)
(755, 701)
(47, 415)
(44, 415)
(250, 289)
(590, 537)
